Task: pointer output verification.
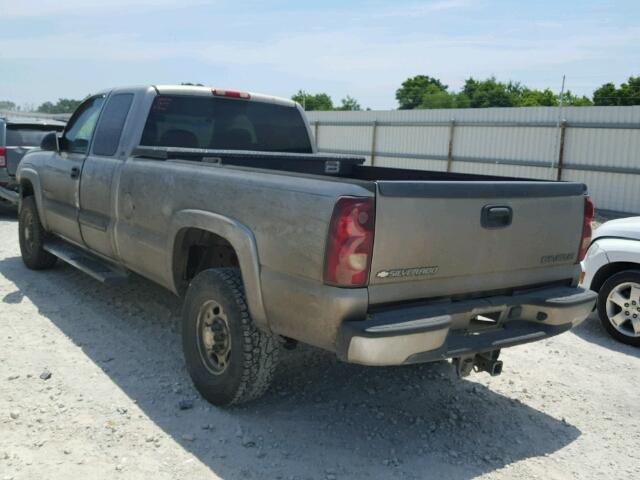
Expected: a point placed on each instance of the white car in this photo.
(612, 268)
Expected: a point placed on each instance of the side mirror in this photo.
(50, 142)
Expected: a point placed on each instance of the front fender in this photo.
(243, 242)
(29, 174)
(608, 250)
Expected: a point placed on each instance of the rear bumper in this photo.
(8, 187)
(444, 330)
(9, 195)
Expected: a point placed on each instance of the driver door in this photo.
(61, 178)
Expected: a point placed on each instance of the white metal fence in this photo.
(599, 146)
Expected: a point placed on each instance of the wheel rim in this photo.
(28, 232)
(214, 338)
(623, 308)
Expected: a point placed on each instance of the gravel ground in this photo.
(93, 385)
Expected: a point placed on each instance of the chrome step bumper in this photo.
(444, 330)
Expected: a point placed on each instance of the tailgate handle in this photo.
(496, 216)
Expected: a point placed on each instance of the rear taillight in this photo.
(3, 157)
(350, 242)
(586, 229)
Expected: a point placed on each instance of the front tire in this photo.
(32, 236)
(619, 306)
(229, 359)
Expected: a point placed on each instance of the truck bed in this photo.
(441, 234)
(342, 166)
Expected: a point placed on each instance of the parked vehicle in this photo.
(18, 135)
(612, 268)
(220, 196)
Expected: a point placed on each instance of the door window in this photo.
(77, 135)
(111, 124)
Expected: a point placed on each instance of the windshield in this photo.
(26, 136)
(225, 124)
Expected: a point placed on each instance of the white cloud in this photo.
(41, 8)
(334, 53)
(359, 52)
(425, 8)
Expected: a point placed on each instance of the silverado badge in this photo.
(408, 272)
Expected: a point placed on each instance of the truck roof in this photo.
(206, 91)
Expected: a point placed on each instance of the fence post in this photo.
(373, 142)
(452, 127)
(563, 129)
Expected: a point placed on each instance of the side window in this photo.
(109, 129)
(78, 133)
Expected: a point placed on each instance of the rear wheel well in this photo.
(196, 250)
(608, 270)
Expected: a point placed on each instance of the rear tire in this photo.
(32, 236)
(618, 302)
(229, 359)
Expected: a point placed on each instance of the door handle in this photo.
(496, 216)
(75, 172)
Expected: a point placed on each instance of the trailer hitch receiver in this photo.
(481, 362)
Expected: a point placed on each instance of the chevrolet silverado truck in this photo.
(221, 197)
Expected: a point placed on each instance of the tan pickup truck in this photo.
(221, 197)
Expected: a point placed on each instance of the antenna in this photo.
(558, 139)
(562, 92)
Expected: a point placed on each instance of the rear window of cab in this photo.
(225, 124)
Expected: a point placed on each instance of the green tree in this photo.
(630, 92)
(571, 100)
(460, 100)
(46, 107)
(318, 101)
(7, 105)
(606, 95)
(411, 92)
(492, 93)
(627, 94)
(63, 105)
(349, 104)
(435, 97)
(538, 98)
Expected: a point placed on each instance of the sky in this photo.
(71, 48)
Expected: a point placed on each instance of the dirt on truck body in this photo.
(220, 197)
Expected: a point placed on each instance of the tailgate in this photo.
(14, 155)
(442, 238)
